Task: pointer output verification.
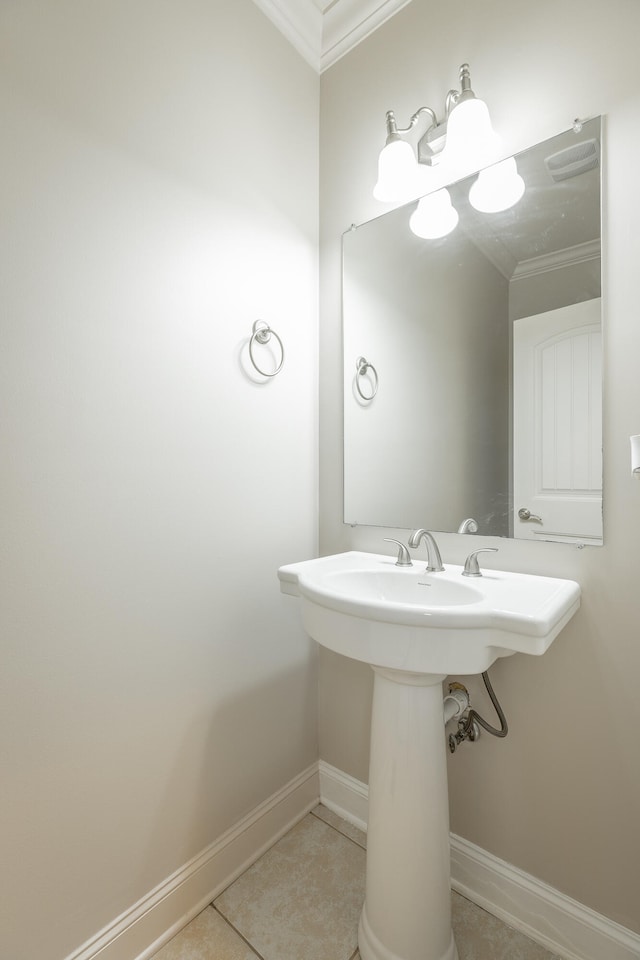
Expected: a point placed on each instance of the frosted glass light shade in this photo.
(400, 176)
(434, 217)
(471, 141)
(497, 188)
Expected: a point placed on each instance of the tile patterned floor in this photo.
(301, 901)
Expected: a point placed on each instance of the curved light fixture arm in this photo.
(452, 99)
(416, 116)
(400, 178)
(392, 128)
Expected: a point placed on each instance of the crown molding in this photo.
(322, 31)
(347, 22)
(300, 21)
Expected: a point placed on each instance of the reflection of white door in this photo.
(557, 420)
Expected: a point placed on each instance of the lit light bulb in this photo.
(434, 217)
(497, 188)
(471, 140)
(400, 176)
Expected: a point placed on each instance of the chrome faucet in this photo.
(434, 560)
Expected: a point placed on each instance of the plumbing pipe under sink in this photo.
(456, 702)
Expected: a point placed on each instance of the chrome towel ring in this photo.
(362, 368)
(262, 333)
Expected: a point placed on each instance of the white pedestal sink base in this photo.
(407, 911)
(370, 946)
(416, 628)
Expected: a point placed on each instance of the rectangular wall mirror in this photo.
(472, 363)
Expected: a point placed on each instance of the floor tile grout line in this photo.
(352, 956)
(361, 846)
(236, 931)
(253, 863)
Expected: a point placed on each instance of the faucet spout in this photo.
(434, 560)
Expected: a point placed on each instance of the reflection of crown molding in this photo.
(322, 31)
(496, 253)
(580, 253)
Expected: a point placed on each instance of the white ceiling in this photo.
(324, 30)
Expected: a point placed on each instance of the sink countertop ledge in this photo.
(509, 612)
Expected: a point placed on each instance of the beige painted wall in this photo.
(152, 688)
(560, 796)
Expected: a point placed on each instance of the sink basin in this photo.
(399, 586)
(365, 607)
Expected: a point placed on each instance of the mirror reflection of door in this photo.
(557, 415)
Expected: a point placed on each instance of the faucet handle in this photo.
(472, 567)
(404, 557)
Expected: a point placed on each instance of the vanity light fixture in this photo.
(449, 150)
(463, 142)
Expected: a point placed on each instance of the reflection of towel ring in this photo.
(262, 334)
(362, 366)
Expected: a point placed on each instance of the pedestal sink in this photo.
(414, 629)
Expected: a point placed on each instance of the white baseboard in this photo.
(140, 931)
(345, 795)
(558, 923)
(562, 925)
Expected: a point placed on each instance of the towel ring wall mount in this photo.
(262, 333)
(362, 370)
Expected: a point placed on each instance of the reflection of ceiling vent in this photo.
(573, 160)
